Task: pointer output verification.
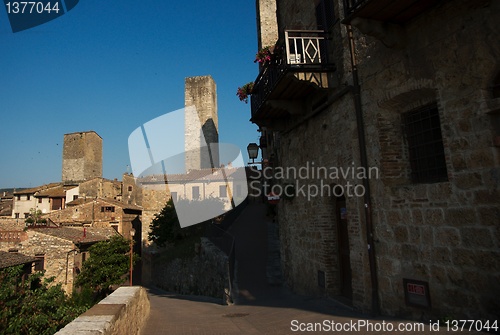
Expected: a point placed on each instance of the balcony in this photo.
(297, 70)
(394, 11)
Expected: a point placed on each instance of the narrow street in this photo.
(259, 308)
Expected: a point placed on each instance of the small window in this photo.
(40, 200)
(28, 197)
(425, 145)
(196, 192)
(115, 227)
(26, 215)
(18, 198)
(108, 209)
(40, 262)
(17, 215)
(223, 191)
(130, 188)
(75, 197)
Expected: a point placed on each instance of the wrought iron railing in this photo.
(300, 51)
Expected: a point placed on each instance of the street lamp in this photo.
(132, 233)
(253, 151)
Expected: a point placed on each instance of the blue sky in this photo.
(112, 67)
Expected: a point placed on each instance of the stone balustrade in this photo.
(123, 312)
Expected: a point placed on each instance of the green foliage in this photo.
(32, 306)
(34, 218)
(109, 262)
(165, 227)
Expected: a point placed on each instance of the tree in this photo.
(165, 227)
(34, 219)
(34, 306)
(109, 262)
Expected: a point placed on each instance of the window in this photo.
(196, 192)
(40, 200)
(223, 191)
(75, 197)
(173, 195)
(130, 188)
(18, 198)
(16, 215)
(108, 209)
(40, 262)
(115, 227)
(26, 215)
(28, 197)
(425, 145)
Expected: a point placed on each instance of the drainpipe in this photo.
(366, 182)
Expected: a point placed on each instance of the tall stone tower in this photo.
(82, 157)
(267, 23)
(201, 122)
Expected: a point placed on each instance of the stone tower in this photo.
(267, 23)
(201, 123)
(82, 157)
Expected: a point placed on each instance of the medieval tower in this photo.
(201, 123)
(82, 157)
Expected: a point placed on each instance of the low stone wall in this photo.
(122, 312)
(205, 274)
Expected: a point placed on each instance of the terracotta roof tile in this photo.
(8, 259)
(78, 235)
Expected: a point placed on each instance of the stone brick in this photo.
(401, 233)
(468, 181)
(460, 216)
(463, 257)
(458, 162)
(433, 217)
(476, 237)
(484, 197)
(446, 236)
(441, 255)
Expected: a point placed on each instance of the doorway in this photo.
(344, 251)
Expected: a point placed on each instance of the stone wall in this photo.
(100, 188)
(206, 274)
(446, 233)
(122, 312)
(443, 233)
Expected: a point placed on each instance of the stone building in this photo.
(410, 93)
(82, 157)
(44, 198)
(60, 251)
(99, 213)
(201, 124)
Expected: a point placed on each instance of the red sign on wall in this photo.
(417, 293)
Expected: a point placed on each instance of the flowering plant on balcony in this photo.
(245, 91)
(263, 56)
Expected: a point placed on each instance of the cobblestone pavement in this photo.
(261, 308)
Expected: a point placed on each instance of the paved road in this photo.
(260, 308)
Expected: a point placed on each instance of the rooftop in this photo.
(8, 259)
(77, 234)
